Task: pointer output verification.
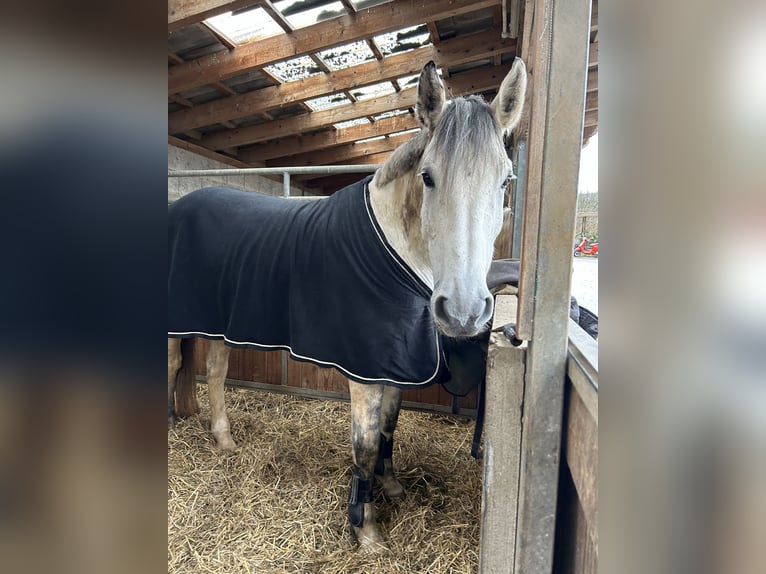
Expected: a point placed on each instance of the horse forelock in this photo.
(467, 130)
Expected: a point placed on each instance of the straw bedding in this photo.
(278, 504)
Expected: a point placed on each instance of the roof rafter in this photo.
(448, 53)
(475, 81)
(303, 144)
(327, 34)
(344, 152)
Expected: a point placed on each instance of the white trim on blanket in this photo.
(319, 362)
(384, 242)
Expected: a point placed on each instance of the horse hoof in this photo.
(370, 544)
(227, 445)
(392, 488)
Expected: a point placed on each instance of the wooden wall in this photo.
(263, 370)
(577, 514)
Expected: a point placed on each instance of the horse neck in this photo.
(396, 205)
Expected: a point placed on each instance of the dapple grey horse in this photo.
(438, 207)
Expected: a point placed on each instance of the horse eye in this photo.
(427, 179)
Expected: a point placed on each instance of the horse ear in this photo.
(509, 101)
(430, 97)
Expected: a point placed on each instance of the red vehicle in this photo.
(582, 249)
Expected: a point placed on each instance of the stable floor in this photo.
(278, 504)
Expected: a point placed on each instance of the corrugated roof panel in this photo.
(302, 13)
(296, 69)
(347, 55)
(246, 25)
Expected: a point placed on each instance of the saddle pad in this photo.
(314, 277)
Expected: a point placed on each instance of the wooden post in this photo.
(502, 444)
(560, 45)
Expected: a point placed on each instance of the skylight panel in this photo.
(300, 17)
(373, 91)
(359, 4)
(390, 114)
(372, 139)
(403, 132)
(408, 81)
(403, 40)
(295, 69)
(245, 26)
(348, 55)
(350, 123)
(326, 102)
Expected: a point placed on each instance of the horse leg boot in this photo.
(365, 425)
(384, 467)
(174, 364)
(217, 366)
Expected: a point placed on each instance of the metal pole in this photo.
(298, 170)
(286, 184)
(518, 204)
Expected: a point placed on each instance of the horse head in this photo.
(464, 171)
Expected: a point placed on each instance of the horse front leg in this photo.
(384, 468)
(217, 367)
(365, 431)
(174, 365)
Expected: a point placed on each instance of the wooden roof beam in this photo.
(475, 81)
(448, 53)
(327, 34)
(591, 101)
(342, 153)
(591, 119)
(185, 12)
(328, 139)
(276, 15)
(205, 152)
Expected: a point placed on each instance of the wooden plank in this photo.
(185, 12)
(334, 137)
(452, 52)
(208, 153)
(591, 101)
(479, 80)
(330, 33)
(561, 38)
(581, 453)
(593, 56)
(502, 441)
(591, 118)
(343, 153)
(592, 85)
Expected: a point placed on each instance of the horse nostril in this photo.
(440, 304)
(489, 304)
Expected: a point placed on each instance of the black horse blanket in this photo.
(317, 278)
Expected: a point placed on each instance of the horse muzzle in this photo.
(457, 316)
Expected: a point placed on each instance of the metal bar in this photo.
(518, 204)
(296, 170)
(561, 38)
(286, 184)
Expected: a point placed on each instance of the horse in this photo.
(420, 232)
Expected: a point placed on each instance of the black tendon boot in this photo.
(360, 493)
(385, 451)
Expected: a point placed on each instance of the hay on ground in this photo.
(278, 504)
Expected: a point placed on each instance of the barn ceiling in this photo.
(320, 82)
